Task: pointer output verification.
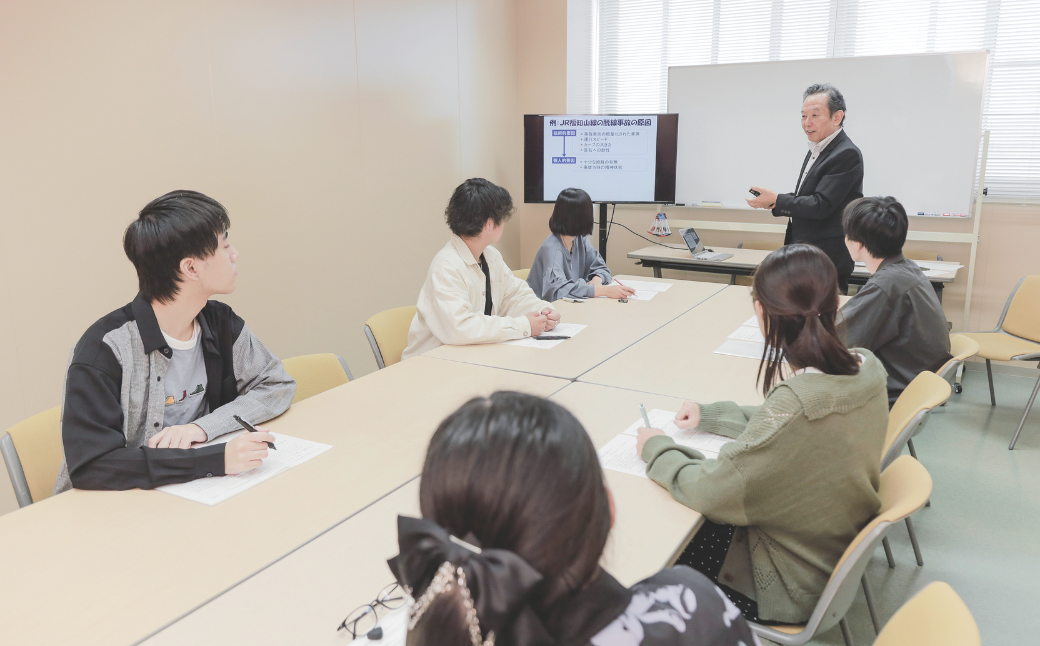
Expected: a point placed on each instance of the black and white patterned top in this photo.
(677, 607)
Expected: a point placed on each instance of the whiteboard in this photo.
(917, 119)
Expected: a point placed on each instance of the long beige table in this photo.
(303, 597)
(744, 261)
(612, 326)
(90, 567)
(679, 361)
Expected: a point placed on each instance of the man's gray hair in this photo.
(835, 101)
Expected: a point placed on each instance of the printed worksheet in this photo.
(943, 267)
(619, 454)
(645, 290)
(751, 322)
(561, 329)
(707, 443)
(748, 333)
(291, 451)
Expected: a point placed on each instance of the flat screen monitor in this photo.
(615, 158)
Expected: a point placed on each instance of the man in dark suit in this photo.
(831, 177)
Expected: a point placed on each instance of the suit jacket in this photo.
(833, 181)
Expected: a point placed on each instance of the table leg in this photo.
(657, 271)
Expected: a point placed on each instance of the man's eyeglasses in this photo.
(363, 619)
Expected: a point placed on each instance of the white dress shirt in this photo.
(815, 148)
(451, 302)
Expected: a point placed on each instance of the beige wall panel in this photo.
(491, 133)
(102, 111)
(543, 90)
(288, 165)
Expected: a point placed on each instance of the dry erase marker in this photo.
(249, 427)
(642, 411)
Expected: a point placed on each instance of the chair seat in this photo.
(1001, 347)
(789, 630)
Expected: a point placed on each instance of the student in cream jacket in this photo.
(453, 305)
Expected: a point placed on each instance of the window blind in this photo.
(619, 51)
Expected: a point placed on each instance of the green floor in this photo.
(982, 533)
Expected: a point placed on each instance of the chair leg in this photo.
(989, 373)
(957, 387)
(913, 540)
(870, 605)
(888, 552)
(910, 445)
(845, 632)
(1029, 405)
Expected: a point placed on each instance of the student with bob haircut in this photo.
(515, 517)
(783, 502)
(470, 295)
(172, 368)
(567, 265)
(896, 314)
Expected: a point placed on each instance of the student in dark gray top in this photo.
(896, 314)
(567, 265)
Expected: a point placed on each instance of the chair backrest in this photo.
(924, 393)
(904, 488)
(961, 347)
(521, 273)
(33, 453)
(1023, 313)
(316, 373)
(921, 255)
(935, 616)
(387, 333)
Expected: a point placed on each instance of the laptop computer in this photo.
(693, 241)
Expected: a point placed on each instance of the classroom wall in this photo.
(333, 131)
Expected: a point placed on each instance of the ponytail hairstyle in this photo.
(797, 286)
(518, 473)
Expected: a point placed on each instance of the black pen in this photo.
(550, 337)
(249, 427)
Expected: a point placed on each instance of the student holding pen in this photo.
(783, 502)
(567, 265)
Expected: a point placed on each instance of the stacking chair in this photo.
(904, 488)
(387, 333)
(935, 616)
(1016, 338)
(316, 373)
(962, 348)
(761, 246)
(33, 453)
(522, 273)
(905, 420)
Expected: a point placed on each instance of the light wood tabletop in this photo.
(303, 597)
(745, 260)
(679, 361)
(91, 567)
(612, 326)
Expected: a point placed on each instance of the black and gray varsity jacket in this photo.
(114, 398)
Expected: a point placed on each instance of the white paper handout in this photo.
(645, 290)
(932, 273)
(943, 267)
(561, 329)
(707, 443)
(619, 454)
(751, 322)
(748, 333)
(291, 451)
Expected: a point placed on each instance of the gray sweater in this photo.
(897, 316)
(558, 273)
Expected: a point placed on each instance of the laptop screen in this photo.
(693, 241)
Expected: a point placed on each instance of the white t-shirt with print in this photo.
(186, 381)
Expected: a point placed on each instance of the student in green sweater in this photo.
(783, 502)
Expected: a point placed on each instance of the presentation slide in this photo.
(613, 158)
